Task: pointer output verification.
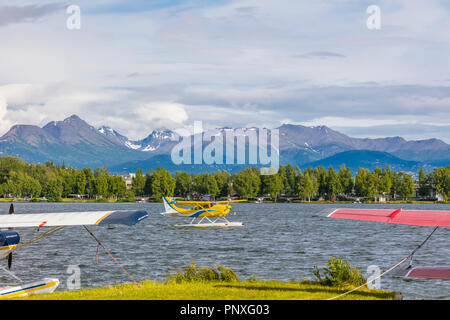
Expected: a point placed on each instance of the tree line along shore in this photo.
(50, 182)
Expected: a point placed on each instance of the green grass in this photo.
(221, 283)
(215, 290)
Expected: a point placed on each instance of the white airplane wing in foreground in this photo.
(126, 217)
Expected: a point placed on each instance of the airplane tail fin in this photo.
(167, 205)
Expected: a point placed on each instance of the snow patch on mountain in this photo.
(131, 145)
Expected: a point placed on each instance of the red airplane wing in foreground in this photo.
(435, 272)
(429, 218)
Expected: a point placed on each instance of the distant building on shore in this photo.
(128, 178)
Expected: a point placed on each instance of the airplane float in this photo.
(210, 214)
(428, 218)
(10, 239)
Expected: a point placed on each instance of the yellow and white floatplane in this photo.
(204, 214)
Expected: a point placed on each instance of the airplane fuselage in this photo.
(197, 211)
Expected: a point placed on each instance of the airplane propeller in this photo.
(11, 211)
(9, 260)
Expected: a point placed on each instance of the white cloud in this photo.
(162, 111)
(229, 63)
(337, 122)
(5, 123)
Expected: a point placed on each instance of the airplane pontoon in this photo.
(203, 214)
(51, 223)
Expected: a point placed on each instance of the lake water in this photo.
(278, 241)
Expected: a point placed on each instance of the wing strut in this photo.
(410, 256)
(107, 251)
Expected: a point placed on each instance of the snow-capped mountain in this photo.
(113, 135)
(78, 144)
(158, 141)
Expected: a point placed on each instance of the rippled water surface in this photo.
(278, 241)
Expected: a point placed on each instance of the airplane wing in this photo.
(431, 218)
(126, 217)
(193, 203)
(434, 272)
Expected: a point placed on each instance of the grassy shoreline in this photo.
(215, 290)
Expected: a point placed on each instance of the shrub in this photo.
(192, 274)
(339, 273)
(226, 274)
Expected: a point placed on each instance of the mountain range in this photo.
(76, 143)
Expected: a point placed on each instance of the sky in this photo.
(138, 65)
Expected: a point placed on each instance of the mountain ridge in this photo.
(79, 144)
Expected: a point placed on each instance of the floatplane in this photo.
(203, 214)
(427, 218)
(51, 223)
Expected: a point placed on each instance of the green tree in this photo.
(406, 185)
(163, 184)
(117, 186)
(305, 187)
(346, 180)
(149, 182)
(54, 190)
(223, 184)
(424, 184)
(333, 184)
(101, 185)
(80, 182)
(442, 181)
(206, 184)
(138, 183)
(183, 184)
(272, 184)
(31, 187)
(385, 180)
(320, 175)
(291, 187)
(366, 184)
(247, 183)
(282, 173)
(90, 179)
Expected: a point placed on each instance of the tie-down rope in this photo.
(57, 228)
(106, 250)
(390, 269)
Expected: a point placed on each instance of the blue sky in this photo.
(137, 65)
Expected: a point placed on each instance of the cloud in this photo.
(5, 124)
(320, 54)
(26, 13)
(38, 104)
(354, 122)
(136, 65)
(161, 110)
